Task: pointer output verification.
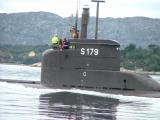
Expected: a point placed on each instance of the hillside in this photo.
(33, 28)
(36, 28)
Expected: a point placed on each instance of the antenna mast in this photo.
(74, 31)
(76, 21)
(97, 15)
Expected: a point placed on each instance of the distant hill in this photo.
(31, 28)
(37, 28)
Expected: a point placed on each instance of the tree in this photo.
(130, 48)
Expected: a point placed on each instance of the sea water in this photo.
(18, 102)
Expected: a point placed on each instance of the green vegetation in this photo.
(147, 59)
(132, 58)
(21, 54)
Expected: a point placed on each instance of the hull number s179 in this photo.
(89, 51)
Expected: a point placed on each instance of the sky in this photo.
(65, 8)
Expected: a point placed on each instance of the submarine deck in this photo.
(37, 84)
(96, 42)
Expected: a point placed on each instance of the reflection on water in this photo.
(18, 102)
(66, 105)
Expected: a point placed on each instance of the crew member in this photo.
(66, 44)
(74, 32)
(55, 41)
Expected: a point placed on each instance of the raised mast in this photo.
(97, 16)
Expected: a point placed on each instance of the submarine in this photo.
(93, 64)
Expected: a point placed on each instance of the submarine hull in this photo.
(102, 81)
(97, 80)
(71, 69)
